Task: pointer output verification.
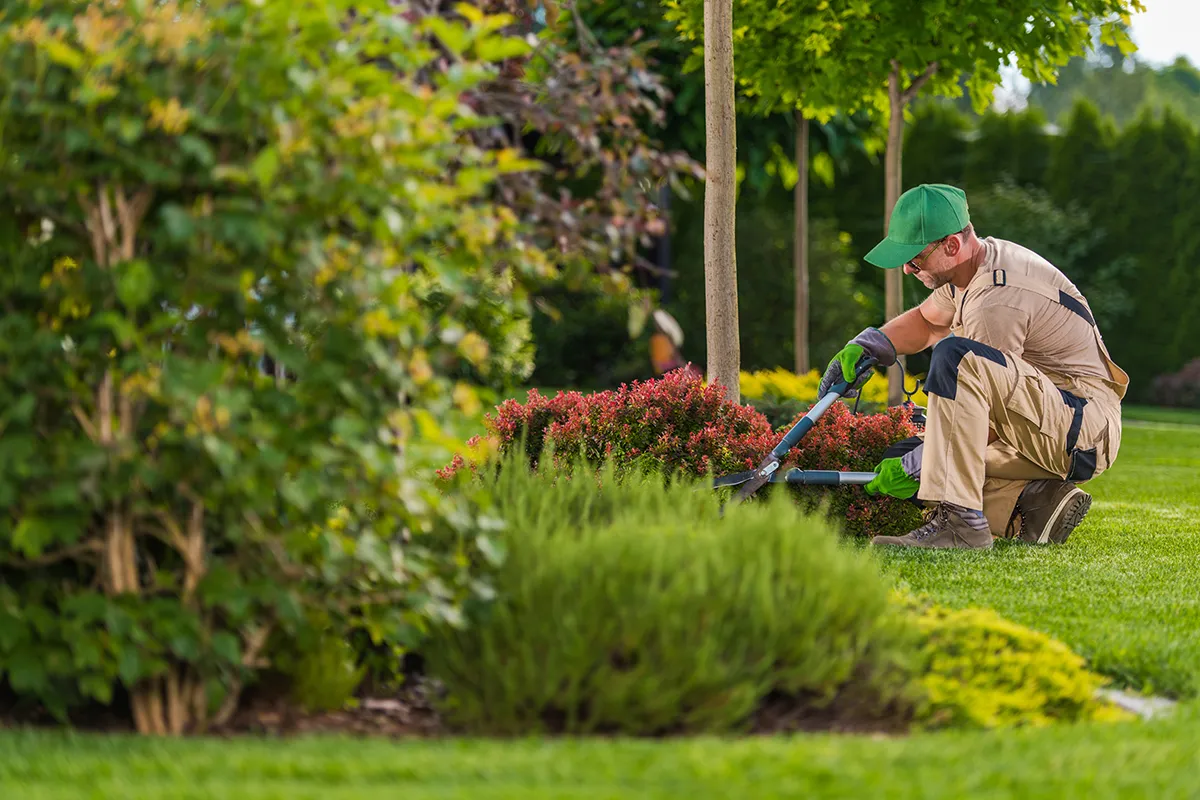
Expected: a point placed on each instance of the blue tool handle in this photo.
(805, 423)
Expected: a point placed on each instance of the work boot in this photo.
(1049, 510)
(944, 528)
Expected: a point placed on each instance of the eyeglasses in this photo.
(913, 262)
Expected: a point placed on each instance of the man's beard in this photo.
(936, 281)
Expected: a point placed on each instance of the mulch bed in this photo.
(402, 714)
(411, 713)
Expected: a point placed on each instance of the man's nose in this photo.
(909, 269)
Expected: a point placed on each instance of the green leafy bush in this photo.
(983, 671)
(628, 607)
(190, 187)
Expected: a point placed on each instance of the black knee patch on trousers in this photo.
(897, 449)
(947, 355)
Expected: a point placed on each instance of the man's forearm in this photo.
(911, 332)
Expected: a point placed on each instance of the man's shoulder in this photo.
(1021, 260)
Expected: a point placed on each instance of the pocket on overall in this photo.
(1029, 396)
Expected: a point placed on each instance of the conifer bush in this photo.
(979, 670)
(633, 608)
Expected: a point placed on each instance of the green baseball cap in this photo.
(922, 215)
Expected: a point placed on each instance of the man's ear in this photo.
(953, 246)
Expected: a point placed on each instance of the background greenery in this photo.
(1096, 173)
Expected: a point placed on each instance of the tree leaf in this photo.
(135, 284)
(265, 166)
(226, 647)
(32, 535)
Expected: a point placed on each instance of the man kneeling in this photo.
(1024, 399)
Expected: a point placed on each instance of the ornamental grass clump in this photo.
(627, 607)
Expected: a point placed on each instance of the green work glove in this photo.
(844, 366)
(892, 480)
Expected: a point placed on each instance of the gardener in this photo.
(1024, 400)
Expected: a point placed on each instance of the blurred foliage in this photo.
(766, 284)
(172, 509)
(588, 343)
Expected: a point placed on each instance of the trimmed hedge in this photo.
(678, 426)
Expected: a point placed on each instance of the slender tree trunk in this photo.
(720, 265)
(893, 288)
(898, 98)
(800, 256)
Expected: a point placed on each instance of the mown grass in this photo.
(1183, 416)
(1124, 591)
(1151, 760)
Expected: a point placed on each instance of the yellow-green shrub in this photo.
(983, 671)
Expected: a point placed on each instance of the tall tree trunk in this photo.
(720, 265)
(893, 288)
(800, 245)
(898, 100)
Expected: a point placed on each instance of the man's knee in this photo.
(947, 359)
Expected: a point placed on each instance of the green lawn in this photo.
(1124, 590)
(1184, 416)
(1150, 760)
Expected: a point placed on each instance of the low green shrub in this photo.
(630, 607)
(983, 671)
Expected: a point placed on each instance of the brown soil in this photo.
(410, 713)
(404, 714)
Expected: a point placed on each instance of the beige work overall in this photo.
(1026, 361)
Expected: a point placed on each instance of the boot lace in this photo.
(934, 519)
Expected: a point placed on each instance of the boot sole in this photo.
(1070, 512)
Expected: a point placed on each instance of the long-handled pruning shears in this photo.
(768, 471)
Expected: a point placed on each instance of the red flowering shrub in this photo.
(531, 420)
(674, 423)
(843, 440)
(677, 424)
